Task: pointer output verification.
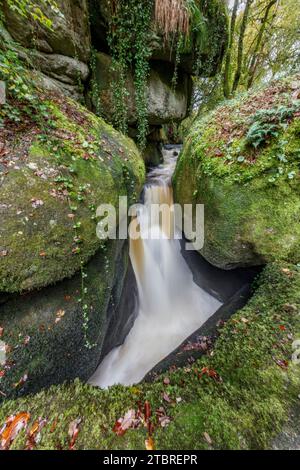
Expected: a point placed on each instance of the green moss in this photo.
(44, 346)
(82, 162)
(251, 195)
(243, 409)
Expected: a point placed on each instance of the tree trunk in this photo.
(226, 85)
(241, 46)
(254, 58)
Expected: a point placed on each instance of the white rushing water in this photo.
(171, 305)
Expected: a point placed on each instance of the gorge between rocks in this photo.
(171, 305)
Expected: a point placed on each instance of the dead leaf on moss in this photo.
(53, 425)
(282, 363)
(59, 315)
(26, 339)
(36, 203)
(11, 429)
(167, 398)
(147, 411)
(163, 419)
(287, 271)
(34, 433)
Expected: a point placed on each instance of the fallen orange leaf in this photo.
(147, 411)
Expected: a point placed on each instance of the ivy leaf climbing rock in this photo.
(242, 162)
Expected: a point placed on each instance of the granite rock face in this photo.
(66, 297)
(164, 103)
(69, 36)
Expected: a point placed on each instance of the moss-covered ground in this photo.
(238, 396)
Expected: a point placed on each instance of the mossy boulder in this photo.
(239, 393)
(164, 103)
(55, 174)
(242, 162)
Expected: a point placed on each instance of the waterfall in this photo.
(171, 305)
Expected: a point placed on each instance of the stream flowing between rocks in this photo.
(171, 305)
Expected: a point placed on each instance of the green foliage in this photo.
(130, 45)
(243, 407)
(129, 40)
(267, 123)
(195, 38)
(270, 43)
(179, 50)
(142, 16)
